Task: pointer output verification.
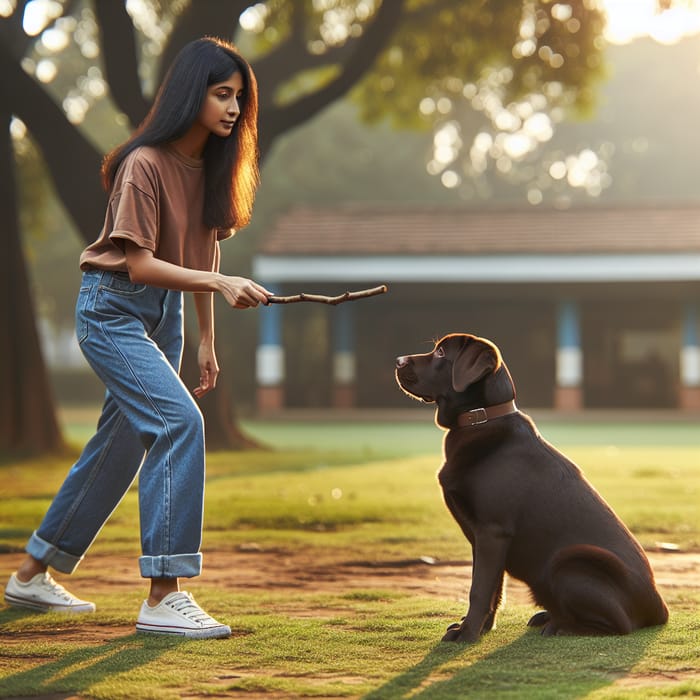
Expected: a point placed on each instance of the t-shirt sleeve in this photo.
(134, 209)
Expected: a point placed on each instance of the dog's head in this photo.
(461, 373)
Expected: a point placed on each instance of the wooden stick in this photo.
(322, 299)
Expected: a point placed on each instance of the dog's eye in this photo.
(439, 352)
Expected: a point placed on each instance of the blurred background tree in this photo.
(76, 76)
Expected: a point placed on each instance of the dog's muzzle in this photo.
(407, 378)
(405, 372)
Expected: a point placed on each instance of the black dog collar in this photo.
(477, 416)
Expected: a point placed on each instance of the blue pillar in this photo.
(269, 359)
(344, 364)
(569, 358)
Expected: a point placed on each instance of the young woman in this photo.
(184, 181)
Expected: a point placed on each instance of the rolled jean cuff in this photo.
(171, 566)
(50, 555)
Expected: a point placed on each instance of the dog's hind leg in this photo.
(590, 619)
(590, 594)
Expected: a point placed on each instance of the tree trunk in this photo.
(28, 422)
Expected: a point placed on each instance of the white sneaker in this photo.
(44, 594)
(179, 614)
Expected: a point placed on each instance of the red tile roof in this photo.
(413, 230)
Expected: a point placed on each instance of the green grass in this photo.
(413, 437)
(381, 646)
(364, 492)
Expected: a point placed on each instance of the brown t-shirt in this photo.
(156, 202)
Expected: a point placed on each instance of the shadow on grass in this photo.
(529, 667)
(82, 668)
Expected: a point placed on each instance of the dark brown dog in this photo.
(524, 507)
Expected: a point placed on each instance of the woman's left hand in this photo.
(208, 369)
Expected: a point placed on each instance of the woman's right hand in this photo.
(242, 293)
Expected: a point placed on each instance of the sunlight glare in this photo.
(631, 19)
(6, 8)
(38, 14)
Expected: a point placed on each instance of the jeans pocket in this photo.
(81, 325)
(119, 283)
(121, 297)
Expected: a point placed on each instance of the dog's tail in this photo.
(590, 558)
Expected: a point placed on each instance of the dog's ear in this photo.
(475, 360)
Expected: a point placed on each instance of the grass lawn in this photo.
(339, 492)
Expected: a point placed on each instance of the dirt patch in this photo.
(251, 568)
(646, 680)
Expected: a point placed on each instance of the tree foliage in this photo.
(442, 47)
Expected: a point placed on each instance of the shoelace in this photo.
(54, 587)
(185, 605)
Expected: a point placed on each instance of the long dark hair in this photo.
(231, 164)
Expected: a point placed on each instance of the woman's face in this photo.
(221, 106)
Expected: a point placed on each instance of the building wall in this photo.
(631, 338)
(524, 332)
(631, 354)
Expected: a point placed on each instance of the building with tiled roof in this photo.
(592, 307)
(353, 230)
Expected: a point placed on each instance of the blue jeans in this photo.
(132, 336)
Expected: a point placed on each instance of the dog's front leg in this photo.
(487, 586)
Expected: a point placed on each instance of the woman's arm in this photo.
(144, 268)
(206, 354)
(239, 292)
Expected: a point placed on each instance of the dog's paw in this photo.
(456, 633)
(539, 619)
(452, 634)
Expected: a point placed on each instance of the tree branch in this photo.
(333, 301)
(366, 49)
(55, 136)
(212, 18)
(292, 54)
(11, 32)
(120, 55)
